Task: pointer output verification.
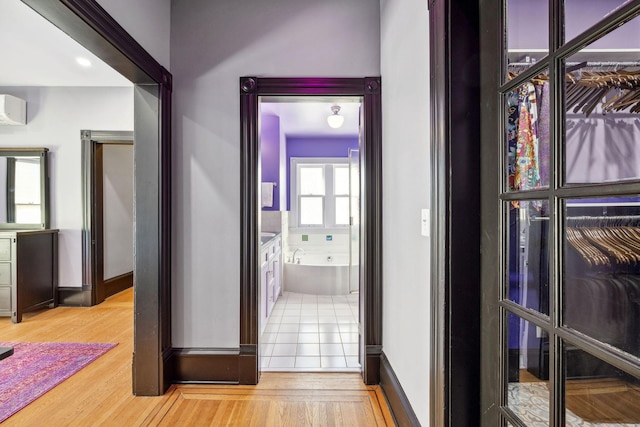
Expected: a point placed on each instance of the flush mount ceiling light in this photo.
(84, 62)
(335, 120)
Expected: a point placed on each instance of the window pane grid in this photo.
(578, 186)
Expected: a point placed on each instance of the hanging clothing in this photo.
(527, 175)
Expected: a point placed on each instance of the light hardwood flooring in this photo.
(100, 394)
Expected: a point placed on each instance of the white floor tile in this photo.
(282, 362)
(333, 362)
(286, 337)
(271, 328)
(328, 328)
(308, 328)
(308, 350)
(331, 350)
(284, 350)
(346, 319)
(327, 319)
(350, 349)
(308, 319)
(289, 327)
(352, 362)
(330, 338)
(267, 349)
(349, 337)
(348, 327)
(307, 362)
(290, 319)
(310, 338)
(269, 338)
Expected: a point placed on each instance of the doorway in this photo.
(88, 24)
(309, 234)
(107, 235)
(370, 296)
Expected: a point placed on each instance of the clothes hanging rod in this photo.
(586, 64)
(595, 218)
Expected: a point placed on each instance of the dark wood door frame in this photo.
(455, 206)
(93, 210)
(90, 25)
(251, 88)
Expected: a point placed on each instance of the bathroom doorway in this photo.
(309, 233)
(259, 187)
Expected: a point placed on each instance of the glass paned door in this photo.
(566, 340)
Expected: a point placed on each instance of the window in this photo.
(320, 192)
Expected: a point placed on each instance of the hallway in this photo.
(100, 394)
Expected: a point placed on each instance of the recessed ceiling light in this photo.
(84, 62)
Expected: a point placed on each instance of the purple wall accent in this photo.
(527, 24)
(270, 155)
(316, 147)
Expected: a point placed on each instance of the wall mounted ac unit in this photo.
(13, 111)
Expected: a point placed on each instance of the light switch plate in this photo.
(425, 222)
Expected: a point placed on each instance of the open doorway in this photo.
(309, 233)
(253, 91)
(107, 199)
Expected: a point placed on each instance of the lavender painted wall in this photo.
(316, 147)
(528, 27)
(270, 155)
(602, 147)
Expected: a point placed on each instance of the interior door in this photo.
(562, 338)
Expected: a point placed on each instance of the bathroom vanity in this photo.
(270, 274)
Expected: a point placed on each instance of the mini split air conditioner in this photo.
(13, 111)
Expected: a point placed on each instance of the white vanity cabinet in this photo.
(28, 271)
(270, 277)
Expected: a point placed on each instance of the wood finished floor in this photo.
(100, 394)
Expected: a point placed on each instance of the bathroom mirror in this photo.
(24, 189)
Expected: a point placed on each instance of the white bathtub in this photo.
(318, 274)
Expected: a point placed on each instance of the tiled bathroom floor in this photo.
(312, 333)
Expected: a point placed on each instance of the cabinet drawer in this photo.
(5, 249)
(5, 273)
(5, 299)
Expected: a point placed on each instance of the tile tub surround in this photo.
(312, 333)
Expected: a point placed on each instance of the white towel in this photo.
(267, 194)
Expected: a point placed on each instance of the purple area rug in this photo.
(36, 368)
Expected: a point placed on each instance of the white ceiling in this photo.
(36, 53)
(309, 117)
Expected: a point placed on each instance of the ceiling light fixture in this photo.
(335, 120)
(84, 62)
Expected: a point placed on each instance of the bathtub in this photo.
(317, 274)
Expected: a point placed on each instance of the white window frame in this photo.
(329, 206)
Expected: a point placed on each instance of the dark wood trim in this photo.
(88, 23)
(91, 26)
(74, 296)
(399, 404)
(251, 88)
(118, 284)
(455, 102)
(204, 365)
(9, 191)
(93, 143)
(97, 229)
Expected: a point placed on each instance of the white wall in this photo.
(117, 163)
(406, 190)
(213, 44)
(147, 21)
(55, 117)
